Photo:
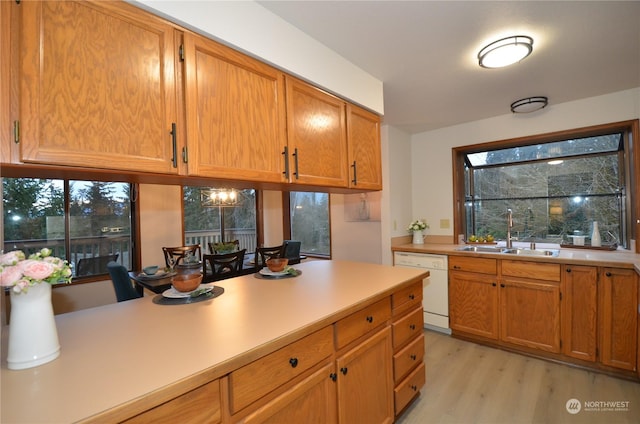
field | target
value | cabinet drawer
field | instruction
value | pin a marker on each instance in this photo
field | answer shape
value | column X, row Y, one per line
column 360, row 323
column 479, row 265
column 199, row 405
column 407, row 358
column 409, row 388
column 406, row 298
column 260, row 377
column 407, row 327
column 535, row 270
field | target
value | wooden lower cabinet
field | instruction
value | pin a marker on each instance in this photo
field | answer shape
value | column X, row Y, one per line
column 365, row 381
column 311, row 401
column 473, row 304
column 618, row 318
column 530, row 314
column 580, row 312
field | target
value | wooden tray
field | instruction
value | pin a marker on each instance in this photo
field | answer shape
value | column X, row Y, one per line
column 588, row 246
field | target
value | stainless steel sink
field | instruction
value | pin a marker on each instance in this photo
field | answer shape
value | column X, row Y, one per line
column 532, row 252
column 486, row 249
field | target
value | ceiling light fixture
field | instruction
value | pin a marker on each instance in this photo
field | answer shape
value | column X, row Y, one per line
column 530, row 104
column 211, row 198
column 505, row 51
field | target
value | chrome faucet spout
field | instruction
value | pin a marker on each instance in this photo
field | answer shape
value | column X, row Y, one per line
column 509, row 226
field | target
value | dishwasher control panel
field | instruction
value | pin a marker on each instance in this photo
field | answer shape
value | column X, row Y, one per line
column 420, row 260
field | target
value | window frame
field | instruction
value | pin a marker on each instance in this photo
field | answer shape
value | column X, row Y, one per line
column 286, row 224
column 631, row 133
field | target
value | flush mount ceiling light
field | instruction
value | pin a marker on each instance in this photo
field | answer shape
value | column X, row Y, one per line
column 530, row 104
column 505, row 51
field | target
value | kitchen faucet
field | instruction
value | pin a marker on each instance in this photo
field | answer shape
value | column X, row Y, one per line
column 509, row 226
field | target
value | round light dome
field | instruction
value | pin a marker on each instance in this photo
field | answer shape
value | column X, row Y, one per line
column 505, row 51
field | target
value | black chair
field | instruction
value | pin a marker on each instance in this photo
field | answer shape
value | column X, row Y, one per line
column 218, row 248
column 220, row 267
column 121, row 282
column 178, row 253
column 94, row 266
column 291, row 251
column 264, row 253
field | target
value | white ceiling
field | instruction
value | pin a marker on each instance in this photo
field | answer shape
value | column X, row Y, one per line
column 425, row 52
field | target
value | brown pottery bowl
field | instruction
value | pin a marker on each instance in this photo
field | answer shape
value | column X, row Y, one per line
column 277, row 264
column 186, row 282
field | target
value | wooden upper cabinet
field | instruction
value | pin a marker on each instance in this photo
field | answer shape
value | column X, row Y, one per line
column 316, row 135
column 235, row 109
column 364, row 149
column 97, row 86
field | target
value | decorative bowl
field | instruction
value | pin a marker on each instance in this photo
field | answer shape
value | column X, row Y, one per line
column 277, row 264
column 186, row 282
column 150, row 270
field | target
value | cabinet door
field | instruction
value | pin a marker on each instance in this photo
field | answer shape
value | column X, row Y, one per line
column 311, row 401
column 365, row 381
column 618, row 315
column 364, row 149
column 235, row 108
column 97, row 86
column 316, row 135
column 580, row 312
column 473, row 304
column 530, row 314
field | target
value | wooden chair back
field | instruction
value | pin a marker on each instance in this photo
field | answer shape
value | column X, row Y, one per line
column 179, row 253
column 217, row 248
column 264, row 253
column 220, row 267
column 94, row 266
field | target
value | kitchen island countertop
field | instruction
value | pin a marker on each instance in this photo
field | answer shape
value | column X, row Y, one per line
column 118, row 359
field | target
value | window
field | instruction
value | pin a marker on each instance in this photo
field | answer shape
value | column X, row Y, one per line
column 88, row 223
column 556, row 188
column 210, row 218
column 309, row 222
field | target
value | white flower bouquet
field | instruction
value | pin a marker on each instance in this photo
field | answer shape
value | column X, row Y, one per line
column 417, row 225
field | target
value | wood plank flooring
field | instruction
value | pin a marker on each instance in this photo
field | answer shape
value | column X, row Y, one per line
column 470, row 383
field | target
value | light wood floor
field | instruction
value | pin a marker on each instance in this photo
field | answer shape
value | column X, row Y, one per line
column 470, row 383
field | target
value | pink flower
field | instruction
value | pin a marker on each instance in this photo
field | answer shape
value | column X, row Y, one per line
column 10, row 275
column 37, row 270
column 11, row 258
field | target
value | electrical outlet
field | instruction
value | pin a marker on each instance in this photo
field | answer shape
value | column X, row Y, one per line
column 395, row 225
column 444, row 223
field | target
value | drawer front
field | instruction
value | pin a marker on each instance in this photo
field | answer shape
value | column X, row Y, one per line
column 360, row 323
column 479, row 265
column 260, row 377
column 408, row 358
column 406, row 298
column 531, row 270
column 409, row 388
column 407, row 327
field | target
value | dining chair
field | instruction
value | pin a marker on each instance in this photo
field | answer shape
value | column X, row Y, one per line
column 291, row 251
column 218, row 248
column 96, row 265
column 222, row 266
column 264, row 253
column 121, row 282
column 179, row 253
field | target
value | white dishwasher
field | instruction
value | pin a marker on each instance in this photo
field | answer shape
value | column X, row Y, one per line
column 435, row 299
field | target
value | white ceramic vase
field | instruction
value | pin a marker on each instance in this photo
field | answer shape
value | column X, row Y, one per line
column 595, row 235
column 418, row 238
column 33, row 337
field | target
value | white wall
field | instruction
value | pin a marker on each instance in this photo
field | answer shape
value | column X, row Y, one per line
column 353, row 240
column 249, row 27
column 431, row 163
column 272, row 218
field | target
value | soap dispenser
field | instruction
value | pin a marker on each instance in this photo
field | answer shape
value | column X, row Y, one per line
column 595, row 235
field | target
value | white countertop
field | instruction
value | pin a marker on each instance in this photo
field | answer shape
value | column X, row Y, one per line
column 113, row 354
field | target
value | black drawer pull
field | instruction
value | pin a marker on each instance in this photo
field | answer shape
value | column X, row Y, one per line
column 333, row 376
column 413, row 357
column 344, row 370
column 568, row 269
column 608, row 274
column 369, row 319
column 412, row 326
column 293, row 362
column 414, row 388
column 412, row 296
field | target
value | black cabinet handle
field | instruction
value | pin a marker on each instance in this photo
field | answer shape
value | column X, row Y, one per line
column 414, row 388
column 412, row 296
column 295, row 162
column 502, row 285
column 285, row 153
column 185, row 155
column 493, row 284
column 344, row 370
column 413, row 357
column 568, row 269
column 608, row 274
column 355, row 177
column 333, row 376
column 293, row 362
column 175, row 145
column 369, row 319
column 456, row 267
column 412, row 327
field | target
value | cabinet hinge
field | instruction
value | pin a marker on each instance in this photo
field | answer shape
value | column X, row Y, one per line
column 560, row 343
column 181, row 52
column 185, row 155
column 17, row 1
column 16, row 132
